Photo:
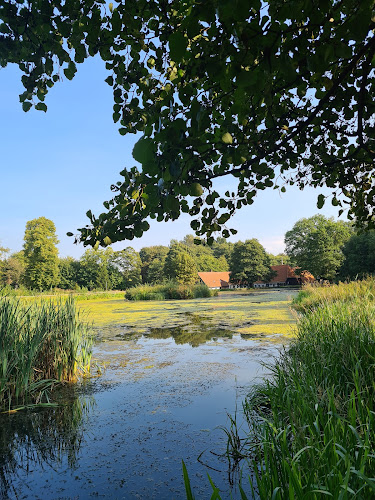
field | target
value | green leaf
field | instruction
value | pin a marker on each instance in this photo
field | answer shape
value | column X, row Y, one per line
column 177, row 45
column 143, row 150
column 151, row 62
column 227, row 138
column 321, row 200
column 26, row 106
column 223, row 218
column 109, row 80
column 41, row 107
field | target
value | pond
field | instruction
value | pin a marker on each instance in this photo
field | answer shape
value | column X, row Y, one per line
column 171, row 371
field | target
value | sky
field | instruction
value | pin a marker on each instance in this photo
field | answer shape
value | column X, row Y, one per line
column 62, row 163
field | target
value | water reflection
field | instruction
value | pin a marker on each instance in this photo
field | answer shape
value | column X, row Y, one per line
column 184, row 335
column 40, row 438
column 195, row 330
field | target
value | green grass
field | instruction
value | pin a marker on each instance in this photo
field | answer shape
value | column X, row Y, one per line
column 312, row 296
column 41, row 344
column 310, row 425
column 170, row 290
column 23, row 292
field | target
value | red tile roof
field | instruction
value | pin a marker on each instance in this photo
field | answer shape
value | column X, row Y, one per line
column 283, row 273
column 215, row 279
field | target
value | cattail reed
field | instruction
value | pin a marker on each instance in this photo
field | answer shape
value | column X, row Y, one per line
column 41, row 344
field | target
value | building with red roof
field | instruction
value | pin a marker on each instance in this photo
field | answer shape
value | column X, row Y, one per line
column 286, row 275
column 218, row 279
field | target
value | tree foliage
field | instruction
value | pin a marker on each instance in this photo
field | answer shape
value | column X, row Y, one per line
column 271, row 93
column 128, row 263
column 315, row 244
column 153, row 260
column 250, row 263
column 180, row 266
column 41, row 254
column 359, row 253
column 13, row 270
column 279, row 259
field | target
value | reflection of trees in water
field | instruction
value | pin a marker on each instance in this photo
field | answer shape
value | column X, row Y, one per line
column 197, row 331
column 41, row 437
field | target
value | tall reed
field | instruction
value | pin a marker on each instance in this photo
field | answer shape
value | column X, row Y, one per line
column 40, row 344
column 311, row 424
column 313, row 296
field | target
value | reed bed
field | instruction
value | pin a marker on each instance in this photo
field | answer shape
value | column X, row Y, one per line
column 41, row 344
column 310, row 425
column 169, row 290
column 313, row 296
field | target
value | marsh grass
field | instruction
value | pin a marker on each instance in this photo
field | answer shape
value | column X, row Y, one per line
column 58, row 293
column 41, row 344
column 169, row 290
column 312, row 422
column 310, row 425
column 313, row 296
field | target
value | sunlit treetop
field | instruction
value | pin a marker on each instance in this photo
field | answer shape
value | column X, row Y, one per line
column 272, row 93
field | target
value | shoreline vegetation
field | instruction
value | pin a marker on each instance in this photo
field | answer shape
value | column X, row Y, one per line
column 42, row 345
column 169, row 290
column 60, row 293
column 310, row 424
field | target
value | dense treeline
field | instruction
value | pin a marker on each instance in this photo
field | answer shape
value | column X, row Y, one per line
column 327, row 248
column 38, row 266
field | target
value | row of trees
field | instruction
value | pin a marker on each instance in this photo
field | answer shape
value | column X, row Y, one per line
column 327, row 248
column 38, row 266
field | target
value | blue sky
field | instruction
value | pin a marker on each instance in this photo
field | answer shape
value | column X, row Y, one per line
column 61, row 163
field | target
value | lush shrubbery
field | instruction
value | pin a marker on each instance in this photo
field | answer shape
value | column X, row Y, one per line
column 41, row 343
column 169, row 290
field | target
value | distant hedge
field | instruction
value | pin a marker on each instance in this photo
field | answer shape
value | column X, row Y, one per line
column 169, row 290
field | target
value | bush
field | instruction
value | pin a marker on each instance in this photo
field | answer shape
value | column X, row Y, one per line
column 169, row 290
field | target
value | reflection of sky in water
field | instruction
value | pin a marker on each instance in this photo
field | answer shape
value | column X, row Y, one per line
column 159, row 401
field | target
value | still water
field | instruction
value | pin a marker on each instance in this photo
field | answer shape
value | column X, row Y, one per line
column 171, row 371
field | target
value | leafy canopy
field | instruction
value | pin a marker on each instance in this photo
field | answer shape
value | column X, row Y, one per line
column 272, row 93
column 180, row 266
column 359, row 253
column 316, row 245
column 250, row 263
column 40, row 254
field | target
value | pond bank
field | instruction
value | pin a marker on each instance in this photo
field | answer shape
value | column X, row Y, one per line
column 159, row 400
